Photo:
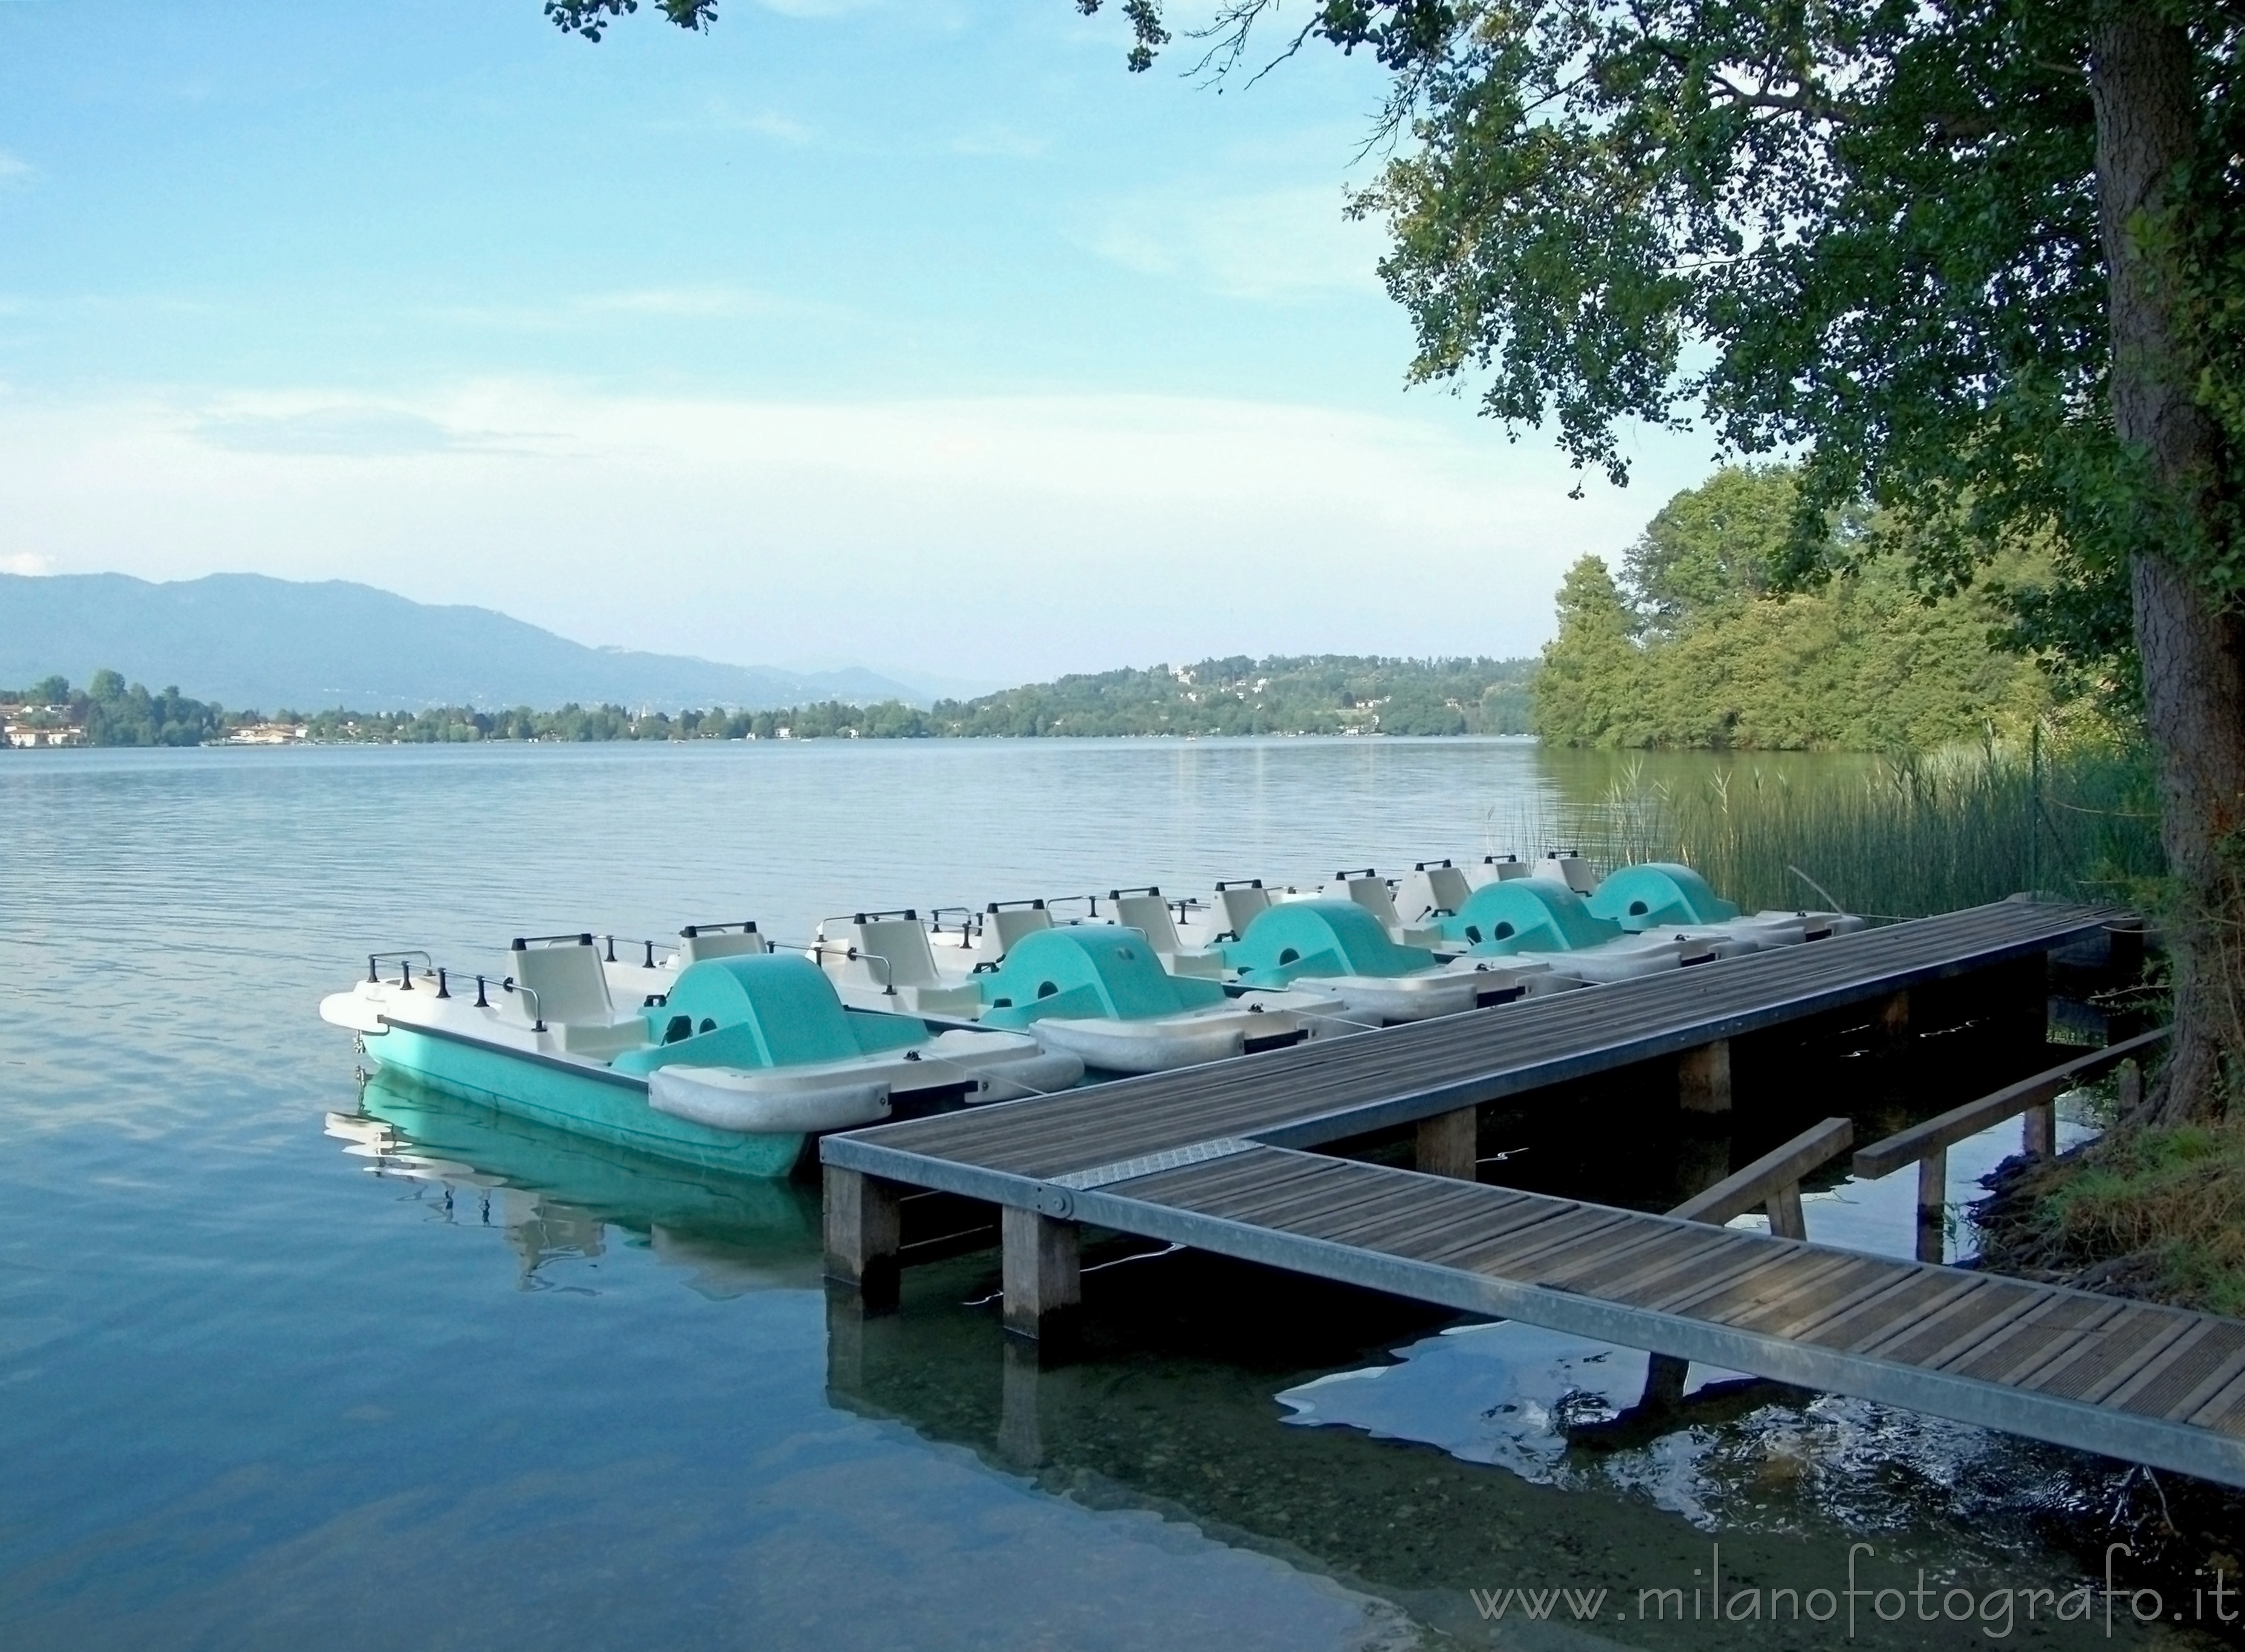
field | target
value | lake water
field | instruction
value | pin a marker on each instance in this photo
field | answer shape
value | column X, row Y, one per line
column 283, row 1364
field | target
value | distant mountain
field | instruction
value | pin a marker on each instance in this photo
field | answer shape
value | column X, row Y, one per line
column 246, row 641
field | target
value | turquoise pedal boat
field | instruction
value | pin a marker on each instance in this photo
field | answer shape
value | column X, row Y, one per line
column 731, row 1066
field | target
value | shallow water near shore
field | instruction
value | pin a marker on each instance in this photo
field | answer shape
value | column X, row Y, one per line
column 285, row 1360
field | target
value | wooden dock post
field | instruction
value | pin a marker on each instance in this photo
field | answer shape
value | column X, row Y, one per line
column 1449, row 1144
column 1932, row 1204
column 1043, row 1274
column 2039, row 1131
column 1703, row 1078
column 863, row 1234
column 1893, row 1022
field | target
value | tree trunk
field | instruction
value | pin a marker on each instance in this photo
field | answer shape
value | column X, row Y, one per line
column 2193, row 648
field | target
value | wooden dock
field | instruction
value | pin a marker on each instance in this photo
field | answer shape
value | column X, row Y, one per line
column 1216, row 1158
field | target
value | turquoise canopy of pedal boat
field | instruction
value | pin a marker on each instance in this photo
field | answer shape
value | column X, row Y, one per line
column 1525, row 914
column 1657, row 893
column 769, row 1009
column 1298, row 939
column 1086, row 972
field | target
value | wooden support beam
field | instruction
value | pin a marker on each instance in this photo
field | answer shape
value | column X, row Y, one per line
column 2132, row 1089
column 1786, row 1221
column 2038, row 1130
column 1703, row 1078
column 1448, row 1143
column 863, row 1234
column 1932, row 1204
column 1663, row 1383
column 1043, row 1274
column 1892, row 1023
column 1769, row 1178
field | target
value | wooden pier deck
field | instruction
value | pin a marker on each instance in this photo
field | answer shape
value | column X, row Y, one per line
column 1214, row 1158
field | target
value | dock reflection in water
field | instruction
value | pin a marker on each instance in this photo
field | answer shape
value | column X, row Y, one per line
column 1460, row 1476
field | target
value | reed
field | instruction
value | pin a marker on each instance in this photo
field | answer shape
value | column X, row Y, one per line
column 1910, row 834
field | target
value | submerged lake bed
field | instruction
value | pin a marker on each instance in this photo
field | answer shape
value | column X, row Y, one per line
column 288, row 1359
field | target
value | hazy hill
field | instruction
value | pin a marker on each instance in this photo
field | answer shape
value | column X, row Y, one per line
column 246, row 641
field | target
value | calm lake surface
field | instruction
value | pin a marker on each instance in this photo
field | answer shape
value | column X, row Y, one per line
column 287, row 1365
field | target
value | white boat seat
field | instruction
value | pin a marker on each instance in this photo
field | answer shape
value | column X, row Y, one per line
column 695, row 944
column 1495, row 869
column 894, row 951
column 1571, row 869
column 1003, row 926
column 568, row 990
column 1235, row 906
column 1370, row 891
column 1431, row 888
column 1150, row 916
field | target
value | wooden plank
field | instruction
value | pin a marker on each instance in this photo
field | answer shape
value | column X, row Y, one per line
column 1906, row 1147
column 1498, row 1253
column 2180, row 1391
column 1263, row 1167
column 1618, row 1270
column 1434, row 1214
column 2121, row 1355
column 1933, row 1290
column 1750, row 1189
column 1680, row 1258
column 1309, row 1201
column 1747, row 1256
column 2044, row 1337
column 1803, row 1271
column 1930, row 1340
column 1863, row 1278
column 2230, row 1397
column 1435, row 1244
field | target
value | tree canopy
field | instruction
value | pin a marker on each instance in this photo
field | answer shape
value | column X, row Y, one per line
column 1693, row 647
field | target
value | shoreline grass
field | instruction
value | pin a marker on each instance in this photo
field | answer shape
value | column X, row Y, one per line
column 1913, row 835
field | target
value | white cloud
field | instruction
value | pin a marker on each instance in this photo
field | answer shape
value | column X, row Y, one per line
column 1274, row 244
column 1001, row 537
column 25, row 562
column 14, row 168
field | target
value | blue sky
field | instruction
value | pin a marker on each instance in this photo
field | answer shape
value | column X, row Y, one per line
column 916, row 335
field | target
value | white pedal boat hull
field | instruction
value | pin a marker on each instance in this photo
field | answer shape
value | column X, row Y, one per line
column 1214, row 1034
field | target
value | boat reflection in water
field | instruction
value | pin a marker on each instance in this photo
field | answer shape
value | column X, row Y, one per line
column 557, row 1195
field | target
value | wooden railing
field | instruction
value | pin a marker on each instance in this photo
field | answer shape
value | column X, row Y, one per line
column 1772, row 1183
column 1926, row 1144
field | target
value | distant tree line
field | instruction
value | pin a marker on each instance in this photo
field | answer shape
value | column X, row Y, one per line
column 113, row 714
column 1306, row 695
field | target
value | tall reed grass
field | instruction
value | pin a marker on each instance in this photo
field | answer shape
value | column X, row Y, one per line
column 1910, row 835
